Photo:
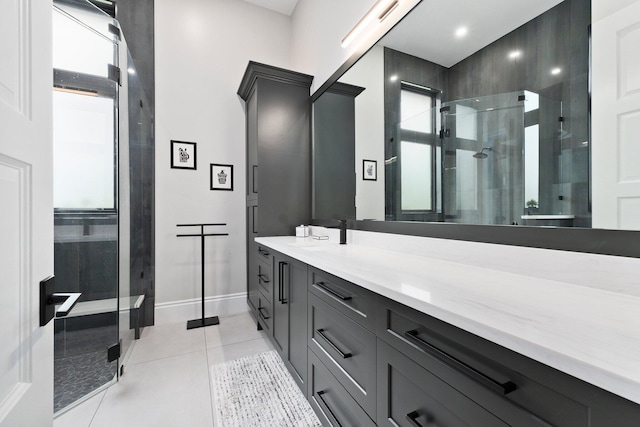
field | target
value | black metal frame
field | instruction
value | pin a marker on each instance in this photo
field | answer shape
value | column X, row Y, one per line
column 586, row 240
column 211, row 177
column 195, row 155
column 364, row 175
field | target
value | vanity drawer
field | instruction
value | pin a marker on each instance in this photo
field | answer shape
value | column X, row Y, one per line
column 265, row 279
column 265, row 313
column 332, row 403
column 265, row 254
column 410, row 395
column 517, row 389
column 347, row 349
column 351, row 300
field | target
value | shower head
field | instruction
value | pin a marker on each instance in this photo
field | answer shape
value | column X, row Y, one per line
column 481, row 154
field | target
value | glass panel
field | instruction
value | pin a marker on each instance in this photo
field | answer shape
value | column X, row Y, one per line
column 83, row 151
column 416, row 173
column 415, row 111
column 81, row 40
column 136, row 197
column 531, row 167
column 86, row 241
column 484, row 174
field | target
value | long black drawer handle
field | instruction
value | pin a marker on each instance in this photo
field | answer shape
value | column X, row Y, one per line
column 282, row 268
column 324, row 403
column 325, row 288
column 263, row 252
column 413, row 418
column 503, row 388
column 263, row 278
column 262, row 314
column 254, row 168
column 335, row 347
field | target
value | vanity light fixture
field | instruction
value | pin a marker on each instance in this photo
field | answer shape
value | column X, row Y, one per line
column 380, row 10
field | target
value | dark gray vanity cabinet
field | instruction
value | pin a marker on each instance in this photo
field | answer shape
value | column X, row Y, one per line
column 474, row 373
column 278, row 159
column 363, row 360
column 334, row 154
column 409, row 395
column 290, row 316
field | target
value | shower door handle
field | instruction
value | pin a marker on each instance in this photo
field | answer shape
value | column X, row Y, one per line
column 49, row 299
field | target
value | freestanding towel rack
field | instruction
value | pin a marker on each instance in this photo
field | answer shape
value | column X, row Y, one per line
column 203, row 321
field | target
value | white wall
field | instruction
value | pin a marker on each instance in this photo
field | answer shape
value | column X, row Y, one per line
column 369, row 107
column 318, row 28
column 202, row 49
column 602, row 8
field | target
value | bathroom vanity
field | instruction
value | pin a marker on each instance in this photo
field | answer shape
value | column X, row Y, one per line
column 405, row 330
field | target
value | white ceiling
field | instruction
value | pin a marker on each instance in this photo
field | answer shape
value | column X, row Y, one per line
column 428, row 31
column 285, row 7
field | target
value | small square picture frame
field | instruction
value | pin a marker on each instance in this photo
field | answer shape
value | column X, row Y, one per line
column 369, row 170
column 221, row 177
column 183, row 155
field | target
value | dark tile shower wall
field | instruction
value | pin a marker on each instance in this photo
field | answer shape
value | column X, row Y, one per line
column 86, row 257
column 558, row 38
column 141, row 177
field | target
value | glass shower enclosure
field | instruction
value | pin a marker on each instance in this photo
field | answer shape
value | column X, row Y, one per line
column 100, row 128
column 502, row 155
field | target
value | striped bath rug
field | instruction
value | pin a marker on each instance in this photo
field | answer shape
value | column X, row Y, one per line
column 258, row 391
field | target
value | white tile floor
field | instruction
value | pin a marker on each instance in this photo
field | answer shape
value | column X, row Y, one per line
column 167, row 380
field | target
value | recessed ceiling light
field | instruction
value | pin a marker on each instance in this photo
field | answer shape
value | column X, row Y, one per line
column 393, row 78
column 515, row 54
column 556, row 71
column 461, row 32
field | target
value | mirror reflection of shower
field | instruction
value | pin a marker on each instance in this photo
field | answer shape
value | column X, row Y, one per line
column 481, row 154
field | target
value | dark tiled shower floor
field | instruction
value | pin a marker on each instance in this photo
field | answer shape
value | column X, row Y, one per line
column 80, row 363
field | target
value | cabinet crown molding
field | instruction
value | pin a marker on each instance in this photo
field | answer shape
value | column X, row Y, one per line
column 256, row 70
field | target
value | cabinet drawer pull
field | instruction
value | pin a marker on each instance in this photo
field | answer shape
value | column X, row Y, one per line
column 502, row 388
column 326, row 407
column 281, row 282
column 254, row 168
column 260, row 310
column 335, row 347
column 413, row 418
column 263, row 278
column 263, row 252
column 327, row 289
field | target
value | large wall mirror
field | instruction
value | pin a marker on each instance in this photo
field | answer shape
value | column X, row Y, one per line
column 466, row 112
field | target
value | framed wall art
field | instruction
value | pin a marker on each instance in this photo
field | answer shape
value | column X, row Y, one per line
column 183, row 155
column 370, row 170
column 221, row 177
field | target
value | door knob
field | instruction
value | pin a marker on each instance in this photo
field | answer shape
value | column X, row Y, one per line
column 49, row 299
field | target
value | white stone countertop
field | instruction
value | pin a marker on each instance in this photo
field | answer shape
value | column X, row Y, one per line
column 587, row 331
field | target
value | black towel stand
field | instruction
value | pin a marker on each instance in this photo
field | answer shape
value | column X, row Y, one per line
column 203, row 321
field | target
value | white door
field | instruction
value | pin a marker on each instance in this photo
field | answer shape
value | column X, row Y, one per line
column 616, row 119
column 26, row 212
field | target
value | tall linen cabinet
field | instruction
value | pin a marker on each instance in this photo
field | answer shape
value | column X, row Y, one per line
column 278, row 163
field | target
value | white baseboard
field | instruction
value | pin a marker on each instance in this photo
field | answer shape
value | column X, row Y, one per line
column 181, row 311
